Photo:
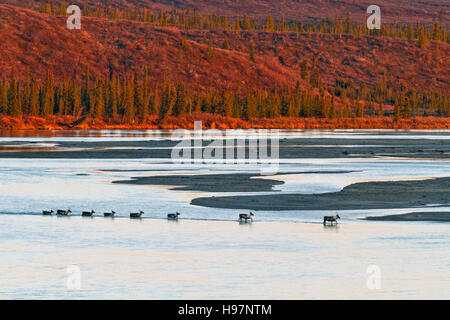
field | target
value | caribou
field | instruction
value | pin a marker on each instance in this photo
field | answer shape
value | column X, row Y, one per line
column 331, row 219
column 110, row 214
column 88, row 213
column 63, row 212
column 173, row 216
column 47, row 213
column 246, row 217
column 136, row 215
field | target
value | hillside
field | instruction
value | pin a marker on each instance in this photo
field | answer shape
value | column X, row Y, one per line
column 393, row 10
column 40, row 43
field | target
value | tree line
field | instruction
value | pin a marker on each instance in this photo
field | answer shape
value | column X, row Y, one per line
column 188, row 20
column 133, row 98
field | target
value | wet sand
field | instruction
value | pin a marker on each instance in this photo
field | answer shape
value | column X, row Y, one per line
column 295, row 148
column 366, row 195
column 415, row 216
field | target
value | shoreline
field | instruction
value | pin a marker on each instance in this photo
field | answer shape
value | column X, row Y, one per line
column 213, row 121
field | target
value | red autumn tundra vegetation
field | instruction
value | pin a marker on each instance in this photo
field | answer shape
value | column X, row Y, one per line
column 211, row 121
column 132, row 68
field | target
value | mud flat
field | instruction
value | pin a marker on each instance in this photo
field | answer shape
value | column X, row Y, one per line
column 290, row 148
column 366, row 195
column 443, row 216
column 234, row 182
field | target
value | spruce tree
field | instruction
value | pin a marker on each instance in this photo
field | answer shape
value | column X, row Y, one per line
column 304, row 70
column 4, row 96
column 14, row 101
column 34, row 99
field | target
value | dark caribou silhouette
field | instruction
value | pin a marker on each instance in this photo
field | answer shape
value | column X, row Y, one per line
column 331, row 219
column 173, row 216
column 245, row 217
column 136, row 215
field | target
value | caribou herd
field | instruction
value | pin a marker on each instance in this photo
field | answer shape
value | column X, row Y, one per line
column 243, row 217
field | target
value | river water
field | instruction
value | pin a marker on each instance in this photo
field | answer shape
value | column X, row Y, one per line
column 207, row 254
